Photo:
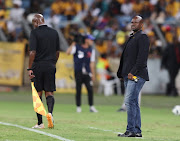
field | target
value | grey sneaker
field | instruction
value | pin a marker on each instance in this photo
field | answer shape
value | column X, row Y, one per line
column 93, row 109
column 78, row 110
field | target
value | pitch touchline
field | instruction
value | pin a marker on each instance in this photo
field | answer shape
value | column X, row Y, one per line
column 37, row 131
column 108, row 131
column 105, row 130
column 117, row 132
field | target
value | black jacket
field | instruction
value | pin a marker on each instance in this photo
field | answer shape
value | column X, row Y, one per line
column 134, row 56
column 169, row 58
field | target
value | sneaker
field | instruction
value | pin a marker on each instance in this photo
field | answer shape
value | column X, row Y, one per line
column 50, row 120
column 93, row 109
column 41, row 126
column 78, row 110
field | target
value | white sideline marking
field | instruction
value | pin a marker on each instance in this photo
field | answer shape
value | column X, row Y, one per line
column 105, row 130
column 37, row 131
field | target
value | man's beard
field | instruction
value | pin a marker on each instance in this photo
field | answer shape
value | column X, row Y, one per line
column 135, row 30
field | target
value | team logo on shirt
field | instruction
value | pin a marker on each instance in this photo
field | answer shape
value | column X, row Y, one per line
column 80, row 54
column 89, row 54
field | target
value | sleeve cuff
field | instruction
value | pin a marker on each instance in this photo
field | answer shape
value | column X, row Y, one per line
column 28, row 69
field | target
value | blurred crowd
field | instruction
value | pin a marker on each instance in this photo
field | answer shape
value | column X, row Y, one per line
column 107, row 20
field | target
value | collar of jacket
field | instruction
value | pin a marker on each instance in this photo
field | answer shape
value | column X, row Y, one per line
column 42, row 25
column 132, row 34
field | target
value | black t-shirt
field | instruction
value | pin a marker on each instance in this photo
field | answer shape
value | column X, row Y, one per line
column 45, row 41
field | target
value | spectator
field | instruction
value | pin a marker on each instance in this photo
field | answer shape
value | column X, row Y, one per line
column 137, row 7
column 36, row 6
column 127, row 8
column 3, row 25
column 161, row 6
column 114, row 8
column 106, row 77
column 101, row 46
column 171, row 61
column 89, row 20
column 147, row 9
column 56, row 6
column 101, row 5
column 2, row 4
column 71, row 9
column 16, row 16
column 173, row 7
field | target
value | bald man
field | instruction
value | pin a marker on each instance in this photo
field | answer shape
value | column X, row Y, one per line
column 134, row 63
column 43, row 55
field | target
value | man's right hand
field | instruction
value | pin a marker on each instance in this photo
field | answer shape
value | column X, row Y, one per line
column 31, row 75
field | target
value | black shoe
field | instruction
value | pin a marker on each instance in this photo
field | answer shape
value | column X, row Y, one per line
column 138, row 135
column 127, row 134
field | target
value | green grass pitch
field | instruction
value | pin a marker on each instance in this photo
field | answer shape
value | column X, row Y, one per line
column 158, row 122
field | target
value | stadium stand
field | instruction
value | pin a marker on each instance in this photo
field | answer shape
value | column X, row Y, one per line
column 107, row 20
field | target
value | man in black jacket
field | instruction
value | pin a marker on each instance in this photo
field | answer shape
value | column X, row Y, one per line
column 43, row 55
column 134, row 64
column 171, row 61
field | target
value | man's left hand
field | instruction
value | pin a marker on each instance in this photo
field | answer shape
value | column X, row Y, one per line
column 130, row 76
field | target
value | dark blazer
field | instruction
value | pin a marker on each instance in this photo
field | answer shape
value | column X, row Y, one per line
column 170, row 57
column 134, row 56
